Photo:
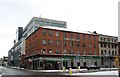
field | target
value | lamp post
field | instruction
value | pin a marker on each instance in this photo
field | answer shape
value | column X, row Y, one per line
column 104, row 59
column 110, row 61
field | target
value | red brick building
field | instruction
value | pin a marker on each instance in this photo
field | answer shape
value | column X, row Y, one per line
column 56, row 47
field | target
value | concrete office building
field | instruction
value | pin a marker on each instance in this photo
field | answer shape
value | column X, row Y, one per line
column 36, row 22
column 15, row 52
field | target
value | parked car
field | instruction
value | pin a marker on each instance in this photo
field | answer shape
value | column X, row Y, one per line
column 91, row 67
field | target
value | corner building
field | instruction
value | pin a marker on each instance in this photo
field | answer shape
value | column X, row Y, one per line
column 53, row 48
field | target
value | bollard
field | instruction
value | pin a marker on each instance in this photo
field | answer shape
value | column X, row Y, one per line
column 64, row 70
column 70, row 71
column 79, row 68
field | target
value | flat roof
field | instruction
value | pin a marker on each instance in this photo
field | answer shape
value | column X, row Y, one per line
column 69, row 30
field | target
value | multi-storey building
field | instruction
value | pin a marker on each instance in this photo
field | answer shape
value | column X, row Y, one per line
column 5, row 61
column 108, row 50
column 1, row 61
column 36, row 22
column 61, row 47
column 17, row 52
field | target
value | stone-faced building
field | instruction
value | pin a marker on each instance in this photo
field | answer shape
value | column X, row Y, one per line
column 108, row 50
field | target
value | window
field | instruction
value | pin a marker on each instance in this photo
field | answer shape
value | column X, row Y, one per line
column 64, row 42
column 90, row 53
column 108, row 39
column 112, row 52
column 50, row 42
column 89, row 37
column 108, row 45
column 84, row 45
column 57, row 51
column 57, row 42
column 104, row 45
column 112, row 40
column 95, row 53
column 115, row 52
column 50, row 51
column 77, row 44
column 112, row 46
column 71, row 43
column 84, row 53
column 77, row 36
column 101, row 44
column 105, row 51
column 71, row 35
column 109, row 53
column 101, row 52
column 95, row 37
column 43, row 51
column 89, row 45
column 64, row 35
column 95, row 45
column 43, row 42
column 71, row 52
column 83, row 37
column 64, row 52
column 115, row 46
column 78, row 52
column 44, row 32
column 104, row 39
column 101, row 39
column 50, row 33
column 57, row 33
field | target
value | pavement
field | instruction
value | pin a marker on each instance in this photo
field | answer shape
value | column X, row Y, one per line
column 10, row 71
column 67, row 71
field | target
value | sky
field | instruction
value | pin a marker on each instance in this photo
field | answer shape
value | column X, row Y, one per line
column 86, row 15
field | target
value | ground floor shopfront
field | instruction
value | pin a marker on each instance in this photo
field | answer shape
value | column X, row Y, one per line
column 43, row 61
column 108, row 61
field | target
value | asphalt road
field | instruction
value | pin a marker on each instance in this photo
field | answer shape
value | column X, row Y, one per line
column 10, row 72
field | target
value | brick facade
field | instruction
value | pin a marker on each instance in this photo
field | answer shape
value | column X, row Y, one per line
column 52, row 42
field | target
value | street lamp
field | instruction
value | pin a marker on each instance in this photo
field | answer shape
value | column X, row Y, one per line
column 110, row 60
column 104, row 59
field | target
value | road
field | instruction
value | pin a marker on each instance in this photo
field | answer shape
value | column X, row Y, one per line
column 10, row 72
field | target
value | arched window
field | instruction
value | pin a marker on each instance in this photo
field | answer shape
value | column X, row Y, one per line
column 101, row 52
column 64, row 52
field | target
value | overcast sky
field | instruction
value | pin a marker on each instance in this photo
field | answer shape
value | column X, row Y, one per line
column 86, row 15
